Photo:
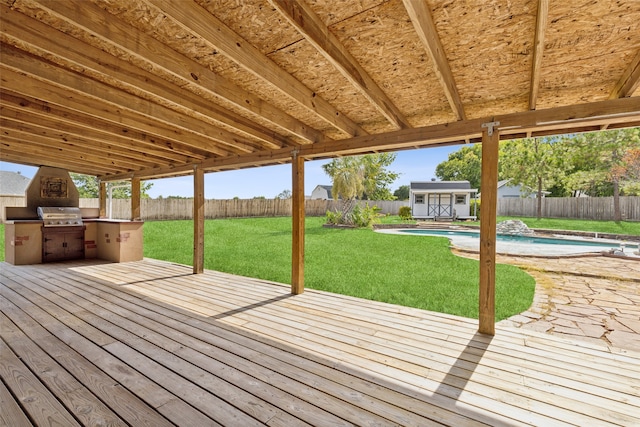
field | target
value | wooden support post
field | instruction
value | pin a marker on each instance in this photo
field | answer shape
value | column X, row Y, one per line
column 102, row 200
column 135, row 199
column 297, row 207
column 488, row 205
column 198, row 220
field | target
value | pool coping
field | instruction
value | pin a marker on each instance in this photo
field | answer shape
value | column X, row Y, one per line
column 542, row 232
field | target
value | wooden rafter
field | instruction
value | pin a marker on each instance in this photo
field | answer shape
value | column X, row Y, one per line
column 197, row 20
column 552, row 121
column 538, row 51
column 630, row 80
column 28, row 108
column 45, row 78
column 151, row 54
column 42, row 125
column 38, row 150
column 300, row 15
column 68, row 52
column 63, row 142
column 14, row 151
column 422, row 20
column 163, row 85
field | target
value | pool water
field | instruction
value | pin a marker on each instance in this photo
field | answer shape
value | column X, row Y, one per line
column 518, row 238
column 525, row 245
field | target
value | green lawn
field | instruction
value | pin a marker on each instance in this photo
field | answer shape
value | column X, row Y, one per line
column 623, row 227
column 415, row 272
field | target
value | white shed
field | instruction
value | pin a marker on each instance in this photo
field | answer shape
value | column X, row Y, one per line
column 442, row 199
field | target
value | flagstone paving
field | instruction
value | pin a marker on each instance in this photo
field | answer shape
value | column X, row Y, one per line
column 593, row 298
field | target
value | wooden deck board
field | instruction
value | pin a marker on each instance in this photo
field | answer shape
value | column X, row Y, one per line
column 229, row 350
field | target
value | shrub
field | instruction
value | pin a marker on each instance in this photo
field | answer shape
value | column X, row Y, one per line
column 476, row 203
column 364, row 217
column 405, row 213
column 334, row 218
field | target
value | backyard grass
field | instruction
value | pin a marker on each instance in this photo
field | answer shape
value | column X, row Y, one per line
column 421, row 273
column 623, row 227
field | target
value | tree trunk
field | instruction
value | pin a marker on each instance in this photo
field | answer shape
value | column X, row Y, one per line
column 617, row 214
column 347, row 207
column 539, row 197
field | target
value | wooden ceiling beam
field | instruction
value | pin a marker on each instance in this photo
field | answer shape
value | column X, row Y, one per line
column 71, row 53
column 309, row 24
column 422, row 20
column 149, row 53
column 170, row 150
column 538, row 52
column 57, row 132
column 56, row 142
column 553, row 121
column 36, row 155
column 630, row 80
column 208, row 137
column 197, row 20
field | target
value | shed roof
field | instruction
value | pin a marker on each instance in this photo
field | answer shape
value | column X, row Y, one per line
column 151, row 88
column 440, row 185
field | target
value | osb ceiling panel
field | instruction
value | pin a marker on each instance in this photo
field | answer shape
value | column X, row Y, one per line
column 586, row 48
column 152, row 88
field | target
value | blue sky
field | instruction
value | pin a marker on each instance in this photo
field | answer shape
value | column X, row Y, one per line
column 269, row 181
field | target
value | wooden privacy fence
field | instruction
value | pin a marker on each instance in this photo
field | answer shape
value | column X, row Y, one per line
column 595, row 208
column 167, row 209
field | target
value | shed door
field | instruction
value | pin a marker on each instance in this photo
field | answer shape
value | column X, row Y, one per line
column 439, row 205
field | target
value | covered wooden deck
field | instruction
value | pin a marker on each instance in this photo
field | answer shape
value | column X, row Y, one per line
column 149, row 343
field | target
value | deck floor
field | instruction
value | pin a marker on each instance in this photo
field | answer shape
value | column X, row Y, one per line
column 148, row 343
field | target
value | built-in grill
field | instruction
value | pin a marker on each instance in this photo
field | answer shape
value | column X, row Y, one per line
column 60, row 216
column 62, row 233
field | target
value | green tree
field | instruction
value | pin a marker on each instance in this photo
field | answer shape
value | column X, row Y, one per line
column 402, row 193
column 534, row 163
column 599, row 163
column 284, row 194
column 347, row 175
column 89, row 187
column 355, row 176
column 462, row 165
column 631, row 172
column 377, row 178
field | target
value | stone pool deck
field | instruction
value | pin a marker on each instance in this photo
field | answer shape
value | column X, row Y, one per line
column 593, row 298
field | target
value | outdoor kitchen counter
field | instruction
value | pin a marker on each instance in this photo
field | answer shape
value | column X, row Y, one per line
column 113, row 239
column 23, row 241
column 109, row 239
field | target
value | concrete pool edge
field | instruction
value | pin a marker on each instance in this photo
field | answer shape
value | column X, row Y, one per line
column 579, row 236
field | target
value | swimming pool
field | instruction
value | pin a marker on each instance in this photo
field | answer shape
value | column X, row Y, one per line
column 524, row 245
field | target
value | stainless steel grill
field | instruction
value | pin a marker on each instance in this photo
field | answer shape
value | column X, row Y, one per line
column 60, row 216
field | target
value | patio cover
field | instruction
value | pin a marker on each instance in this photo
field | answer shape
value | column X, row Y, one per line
column 150, row 88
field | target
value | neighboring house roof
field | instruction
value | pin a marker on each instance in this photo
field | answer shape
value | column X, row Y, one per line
column 440, row 185
column 322, row 192
column 503, row 182
column 13, row 184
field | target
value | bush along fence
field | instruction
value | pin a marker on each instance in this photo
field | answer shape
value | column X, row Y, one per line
column 170, row 209
column 593, row 208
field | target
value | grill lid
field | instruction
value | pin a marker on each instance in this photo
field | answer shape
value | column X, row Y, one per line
column 60, row 216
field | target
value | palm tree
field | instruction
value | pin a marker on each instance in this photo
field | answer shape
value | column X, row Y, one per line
column 347, row 174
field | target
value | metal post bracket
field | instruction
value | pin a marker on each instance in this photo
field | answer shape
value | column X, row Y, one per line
column 490, row 126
